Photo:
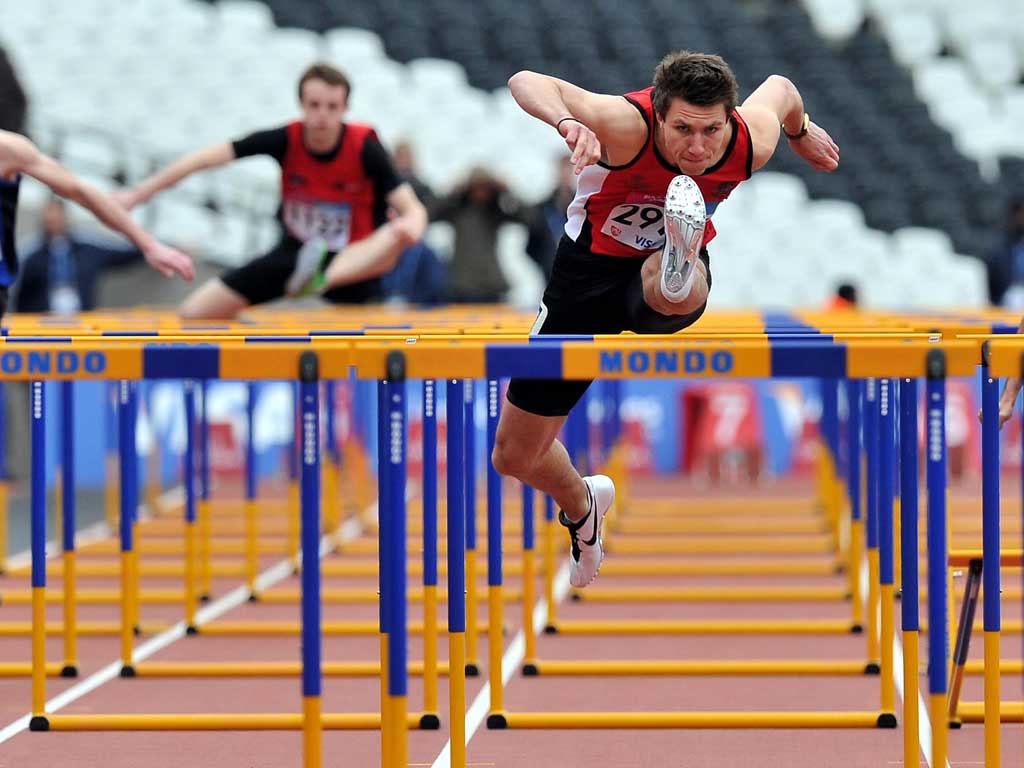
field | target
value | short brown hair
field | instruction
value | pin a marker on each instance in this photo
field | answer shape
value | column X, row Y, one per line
column 327, row 73
column 701, row 79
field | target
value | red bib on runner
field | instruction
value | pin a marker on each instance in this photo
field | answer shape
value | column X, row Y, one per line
column 334, row 199
column 619, row 210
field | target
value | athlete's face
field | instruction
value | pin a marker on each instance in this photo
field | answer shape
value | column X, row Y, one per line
column 693, row 137
column 323, row 106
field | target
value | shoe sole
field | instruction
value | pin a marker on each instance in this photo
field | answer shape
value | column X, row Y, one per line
column 600, row 545
column 685, row 218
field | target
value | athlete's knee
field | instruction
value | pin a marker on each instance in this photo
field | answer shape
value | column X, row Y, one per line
column 512, row 457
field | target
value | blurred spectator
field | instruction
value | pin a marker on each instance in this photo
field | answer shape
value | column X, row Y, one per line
column 13, row 101
column 419, row 277
column 61, row 273
column 1006, row 264
column 404, row 162
column 476, row 210
column 845, row 297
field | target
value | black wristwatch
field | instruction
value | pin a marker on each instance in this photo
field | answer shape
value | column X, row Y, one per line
column 803, row 129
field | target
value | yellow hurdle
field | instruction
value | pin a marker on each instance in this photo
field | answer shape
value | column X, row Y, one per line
column 171, row 669
column 704, row 668
column 4, row 491
column 992, row 716
column 710, row 594
column 70, row 668
column 312, row 725
column 911, row 716
column 702, row 720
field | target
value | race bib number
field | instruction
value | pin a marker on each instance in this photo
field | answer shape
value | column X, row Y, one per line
column 638, row 226
column 308, row 221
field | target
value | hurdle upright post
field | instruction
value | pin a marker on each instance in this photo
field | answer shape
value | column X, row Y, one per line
column 4, row 489
column 205, row 509
column 496, row 717
column 111, row 500
column 398, row 677
column 70, row 668
column 293, row 481
column 384, row 518
column 456, row 575
column 469, row 431
column 189, row 473
column 39, row 721
column 549, row 565
column 887, row 594
column 430, row 719
column 127, row 399
column 309, row 374
column 854, row 392
column 990, row 567
column 909, row 552
column 871, row 418
column 529, row 582
column 938, row 621
column 251, row 521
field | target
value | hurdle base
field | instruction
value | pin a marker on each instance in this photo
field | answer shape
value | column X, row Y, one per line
column 496, row 721
column 856, row 629
column 69, row 670
column 530, row 669
column 191, row 629
column 128, row 670
column 472, row 669
column 430, row 722
column 137, row 630
column 576, row 597
column 956, row 725
column 254, row 597
column 887, row 720
column 872, row 668
column 204, row 598
column 550, row 629
column 39, row 723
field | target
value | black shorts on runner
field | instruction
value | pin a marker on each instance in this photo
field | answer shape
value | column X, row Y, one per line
column 591, row 294
column 264, row 278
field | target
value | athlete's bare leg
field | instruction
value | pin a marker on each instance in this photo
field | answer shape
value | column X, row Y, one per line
column 212, row 301
column 526, row 448
column 369, row 257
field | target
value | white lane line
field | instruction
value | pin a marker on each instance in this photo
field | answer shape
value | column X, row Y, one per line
column 207, row 613
column 509, row 664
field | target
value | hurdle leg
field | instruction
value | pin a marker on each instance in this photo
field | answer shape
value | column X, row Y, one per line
column 397, row 619
column 938, row 623
column 430, row 719
column 549, row 564
column 204, row 509
column 871, row 418
column 887, row 592
column 854, row 392
column 129, row 490
column 991, row 557
column 529, row 583
column 293, row 483
column 39, row 721
column 70, row 668
column 963, row 636
column 4, row 490
column 494, row 562
column 456, row 575
column 111, row 497
column 311, row 620
column 384, row 520
column 909, row 553
column 469, row 429
column 189, row 473
column 251, row 522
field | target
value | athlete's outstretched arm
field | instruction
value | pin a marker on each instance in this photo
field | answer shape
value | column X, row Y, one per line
column 20, row 155
column 776, row 106
column 593, row 125
column 378, row 253
column 208, row 157
column 1010, row 392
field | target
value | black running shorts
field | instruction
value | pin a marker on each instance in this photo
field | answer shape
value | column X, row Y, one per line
column 264, row 278
column 591, row 294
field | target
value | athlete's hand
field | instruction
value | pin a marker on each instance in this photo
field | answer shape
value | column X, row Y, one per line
column 586, row 149
column 169, row 261
column 817, row 148
column 127, row 198
column 1005, row 413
